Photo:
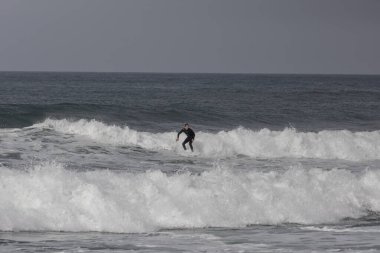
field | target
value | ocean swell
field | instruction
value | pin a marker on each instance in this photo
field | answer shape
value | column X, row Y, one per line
column 327, row 144
column 48, row 197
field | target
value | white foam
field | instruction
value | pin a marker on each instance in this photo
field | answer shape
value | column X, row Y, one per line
column 339, row 144
column 368, row 229
column 49, row 197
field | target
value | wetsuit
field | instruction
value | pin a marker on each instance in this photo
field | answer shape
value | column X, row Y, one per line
column 190, row 137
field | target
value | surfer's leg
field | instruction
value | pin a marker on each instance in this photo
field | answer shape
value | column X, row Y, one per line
column 184, row 142
column 191, row 145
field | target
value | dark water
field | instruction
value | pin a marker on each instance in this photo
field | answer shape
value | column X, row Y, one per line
column 287, row 163
column 209, row 101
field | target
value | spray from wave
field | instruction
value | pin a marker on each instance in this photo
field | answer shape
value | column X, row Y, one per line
column 338, row 144
column 48, row 197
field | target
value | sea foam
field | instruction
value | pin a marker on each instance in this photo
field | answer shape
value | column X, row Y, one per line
column 327, row 144
column 48, row 197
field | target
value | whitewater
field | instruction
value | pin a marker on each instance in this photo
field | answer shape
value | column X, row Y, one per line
column 281, row 163
column 338, row 144
column 36, row 199
column 36, row 196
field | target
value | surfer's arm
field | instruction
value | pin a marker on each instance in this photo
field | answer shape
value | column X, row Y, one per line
column 179, row 133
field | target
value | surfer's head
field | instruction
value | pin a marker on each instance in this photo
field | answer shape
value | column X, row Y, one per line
column 186, row 126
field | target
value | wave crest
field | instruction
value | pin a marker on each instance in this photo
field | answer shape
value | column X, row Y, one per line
column 49, row 197
column 327, row 144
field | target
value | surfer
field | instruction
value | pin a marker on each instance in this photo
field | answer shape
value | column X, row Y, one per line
column 190, row 136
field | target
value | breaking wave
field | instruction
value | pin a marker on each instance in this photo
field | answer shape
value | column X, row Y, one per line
column 48, row 197
column 327, row 144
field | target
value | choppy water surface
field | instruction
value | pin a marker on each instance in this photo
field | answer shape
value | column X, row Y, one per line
column 287, row 163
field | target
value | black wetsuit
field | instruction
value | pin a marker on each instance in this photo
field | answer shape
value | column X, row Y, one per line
column 190, row 137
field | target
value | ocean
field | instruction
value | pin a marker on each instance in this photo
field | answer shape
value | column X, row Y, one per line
column 281, row 163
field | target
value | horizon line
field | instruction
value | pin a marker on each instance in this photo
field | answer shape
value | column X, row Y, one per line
column 165, row 72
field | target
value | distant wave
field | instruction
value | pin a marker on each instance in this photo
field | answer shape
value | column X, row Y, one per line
column 327, row 144
column 48, row 197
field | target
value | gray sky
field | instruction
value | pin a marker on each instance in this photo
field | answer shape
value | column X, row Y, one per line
column 268, row 36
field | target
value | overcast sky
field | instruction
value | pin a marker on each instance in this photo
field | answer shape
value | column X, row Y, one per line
column 268, row 36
